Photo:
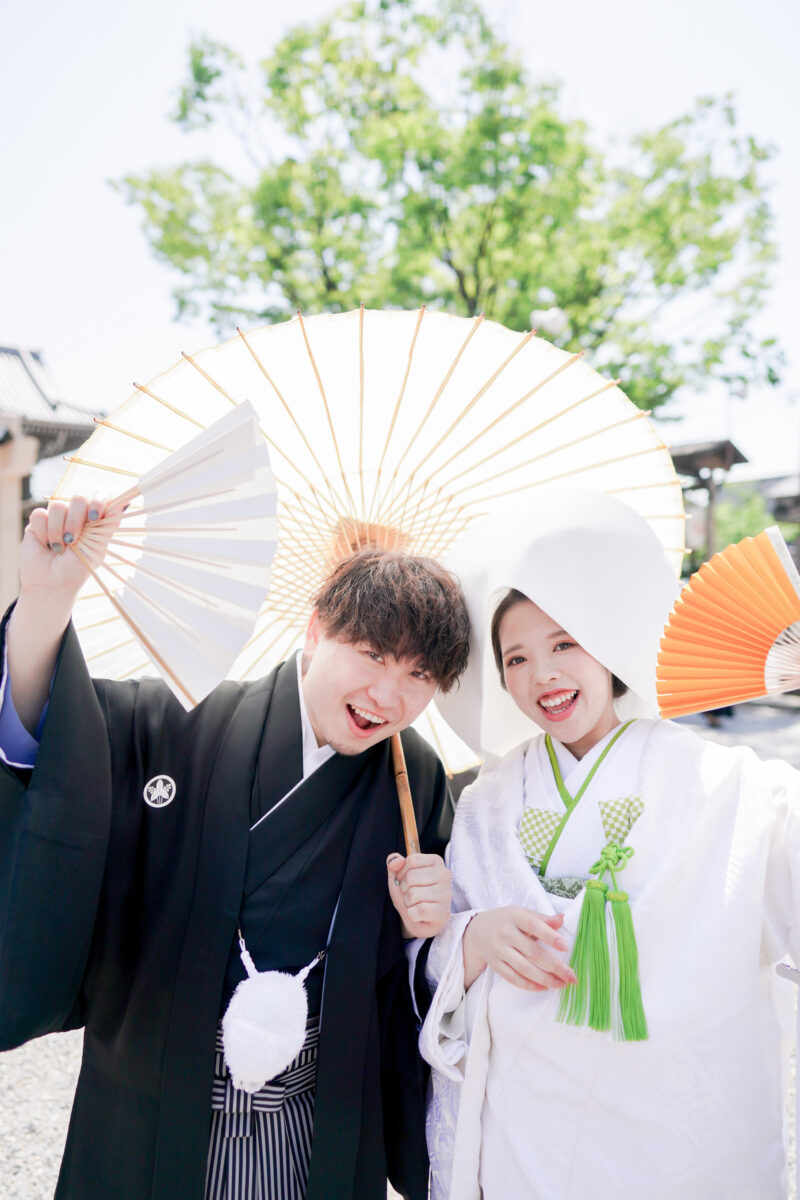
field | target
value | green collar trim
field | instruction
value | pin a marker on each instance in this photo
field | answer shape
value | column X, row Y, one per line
column 571, row 801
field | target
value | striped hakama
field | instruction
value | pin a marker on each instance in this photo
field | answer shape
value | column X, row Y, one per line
column 260, row 1146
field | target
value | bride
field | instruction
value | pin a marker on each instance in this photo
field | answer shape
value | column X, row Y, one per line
column 606, row 1020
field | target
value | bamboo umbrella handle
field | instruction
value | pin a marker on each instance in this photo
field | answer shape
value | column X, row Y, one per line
column 404, row 796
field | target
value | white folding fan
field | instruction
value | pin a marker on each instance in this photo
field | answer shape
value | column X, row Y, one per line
column 184, row 556
column 734, row 633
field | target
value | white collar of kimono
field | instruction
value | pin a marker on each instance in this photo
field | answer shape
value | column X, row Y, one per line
column 313, row 755
column 592, row 564
column 574, row 769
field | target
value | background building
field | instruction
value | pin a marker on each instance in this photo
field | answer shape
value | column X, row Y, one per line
column 35, row 424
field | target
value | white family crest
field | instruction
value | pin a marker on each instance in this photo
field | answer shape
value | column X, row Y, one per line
column 159, row 791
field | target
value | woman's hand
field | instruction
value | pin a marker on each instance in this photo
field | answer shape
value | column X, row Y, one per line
column 420, row 888
column 514, row 942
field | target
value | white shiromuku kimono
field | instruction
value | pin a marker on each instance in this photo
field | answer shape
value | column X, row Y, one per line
column 526, row 1108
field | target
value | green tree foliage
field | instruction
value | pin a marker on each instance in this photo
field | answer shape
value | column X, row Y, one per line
column 742, row 513
column 400, row 153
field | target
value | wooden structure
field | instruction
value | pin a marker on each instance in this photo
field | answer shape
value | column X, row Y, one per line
column 704, row 465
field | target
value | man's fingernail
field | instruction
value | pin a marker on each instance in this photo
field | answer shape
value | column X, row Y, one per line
column 68, row 539
column 93, row 514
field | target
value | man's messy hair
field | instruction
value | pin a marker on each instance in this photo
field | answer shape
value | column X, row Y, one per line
column 401, row 606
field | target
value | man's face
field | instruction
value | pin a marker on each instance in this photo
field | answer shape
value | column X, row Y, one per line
column 356, row 697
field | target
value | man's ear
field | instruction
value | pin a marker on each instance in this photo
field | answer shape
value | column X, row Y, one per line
column 315, row 630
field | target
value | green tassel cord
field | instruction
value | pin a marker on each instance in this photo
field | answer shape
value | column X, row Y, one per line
column 634, row 1022
column 589, row 1001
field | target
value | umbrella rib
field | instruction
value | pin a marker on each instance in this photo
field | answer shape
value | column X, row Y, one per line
column 398, row 402
column 140, row 387
column 131, row 641
column 523, row 399
column 585, row 437
column 607, row 462
column 327, row 410
column 640, row 487
column 334, row 498
column 437, row 741
column 482, row 392
column 106, row 424
column 284, row 625
column 129, row 621
column 314, row 537
column 188, row 358
column 140, row 666
column 94, row 624
column 607, row 386
column 438, row 394
column 95, row 466
column 293, row 516
column 361, row 405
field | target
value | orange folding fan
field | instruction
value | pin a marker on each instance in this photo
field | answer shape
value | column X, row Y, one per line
column 734, row 633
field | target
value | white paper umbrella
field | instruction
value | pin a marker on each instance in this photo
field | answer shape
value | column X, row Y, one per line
column 398, row 428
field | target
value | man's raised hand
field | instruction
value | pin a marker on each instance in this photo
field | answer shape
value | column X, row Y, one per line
column 50, row 578
column 420, row 888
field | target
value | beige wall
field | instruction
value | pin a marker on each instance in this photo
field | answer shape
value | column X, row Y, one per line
column 17, row 459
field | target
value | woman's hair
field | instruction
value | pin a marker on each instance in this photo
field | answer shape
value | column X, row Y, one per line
column 511, row 598
column 401, row 606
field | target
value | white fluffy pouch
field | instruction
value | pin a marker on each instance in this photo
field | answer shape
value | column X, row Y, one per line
column 264, row 1025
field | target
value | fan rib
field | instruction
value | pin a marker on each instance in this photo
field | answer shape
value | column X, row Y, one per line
column 144, row 640
column 194, row 593
column 730, row 634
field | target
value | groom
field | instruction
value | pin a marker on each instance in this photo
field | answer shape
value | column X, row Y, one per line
column 137, row 840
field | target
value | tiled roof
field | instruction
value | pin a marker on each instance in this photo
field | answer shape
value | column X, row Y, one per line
column 28, row 391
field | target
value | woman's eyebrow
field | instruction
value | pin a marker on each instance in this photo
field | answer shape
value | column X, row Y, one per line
column 559, row 633
column 508, row 649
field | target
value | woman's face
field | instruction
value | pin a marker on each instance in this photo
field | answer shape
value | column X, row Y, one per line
column 553, row 680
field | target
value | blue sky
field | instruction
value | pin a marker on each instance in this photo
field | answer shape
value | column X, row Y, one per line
column 85, row 90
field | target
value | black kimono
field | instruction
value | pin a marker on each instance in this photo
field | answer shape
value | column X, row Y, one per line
column 120, row 915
